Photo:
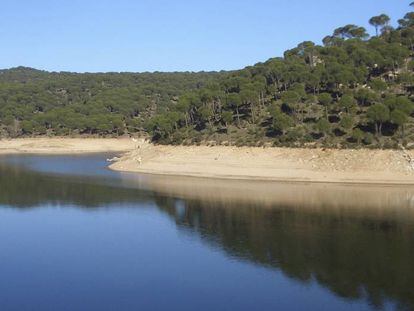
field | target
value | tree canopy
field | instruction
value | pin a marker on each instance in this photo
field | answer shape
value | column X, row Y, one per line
column 351, row 91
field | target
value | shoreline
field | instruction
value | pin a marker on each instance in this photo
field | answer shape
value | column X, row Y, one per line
column 285, row 180
column 289, row 165
column 63, row 145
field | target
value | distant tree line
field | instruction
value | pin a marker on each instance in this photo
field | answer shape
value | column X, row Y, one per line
column 34, row 102
column 354, row 90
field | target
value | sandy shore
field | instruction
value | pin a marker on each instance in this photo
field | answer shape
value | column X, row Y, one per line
column 65, row 145
column 276, row 164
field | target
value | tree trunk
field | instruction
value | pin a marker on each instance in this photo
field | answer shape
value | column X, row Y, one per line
column 252, row 112
column 238, row 116
column 302, row 115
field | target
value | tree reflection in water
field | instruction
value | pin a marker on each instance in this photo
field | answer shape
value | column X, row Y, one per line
column 357, row 250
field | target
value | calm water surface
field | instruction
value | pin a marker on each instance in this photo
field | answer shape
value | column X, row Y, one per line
column 77, row 236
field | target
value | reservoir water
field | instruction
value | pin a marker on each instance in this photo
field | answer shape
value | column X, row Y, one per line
column 77, row 236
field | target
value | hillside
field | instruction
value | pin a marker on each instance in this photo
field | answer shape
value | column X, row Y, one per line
column 354, row 90
column 34, row 102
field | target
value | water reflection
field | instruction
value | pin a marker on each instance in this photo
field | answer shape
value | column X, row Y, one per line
column 353, row 255
column 373, row 199
column 356, row 241
column 20, row 187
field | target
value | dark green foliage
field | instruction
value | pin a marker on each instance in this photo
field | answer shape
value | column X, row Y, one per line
column 323, row 126
column 280, row 121
column 347, row 102
column 378, row 85
column 378, row 114
column 34, row 102
column 350, row 32
column 347, row 122
column 358, row 135
column 341, row 93
column 379, row 22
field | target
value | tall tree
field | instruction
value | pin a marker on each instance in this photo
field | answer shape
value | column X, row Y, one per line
column 351, row 31
column 378, row 113
column 379, row 22
column 234, row 101
column 325, row 99
column 400, row 118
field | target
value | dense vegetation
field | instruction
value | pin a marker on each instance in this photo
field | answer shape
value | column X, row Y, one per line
column 354, row 90
column 34, row 102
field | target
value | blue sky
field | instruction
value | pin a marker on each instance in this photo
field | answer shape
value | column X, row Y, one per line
column 174, row 35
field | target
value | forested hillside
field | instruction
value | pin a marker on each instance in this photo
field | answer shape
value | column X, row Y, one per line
column 34, row 102
column 354, row 90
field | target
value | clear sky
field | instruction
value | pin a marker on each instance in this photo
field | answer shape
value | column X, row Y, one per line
column 173, row 35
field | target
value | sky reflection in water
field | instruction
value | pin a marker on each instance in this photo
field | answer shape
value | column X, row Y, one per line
column 76, row 236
